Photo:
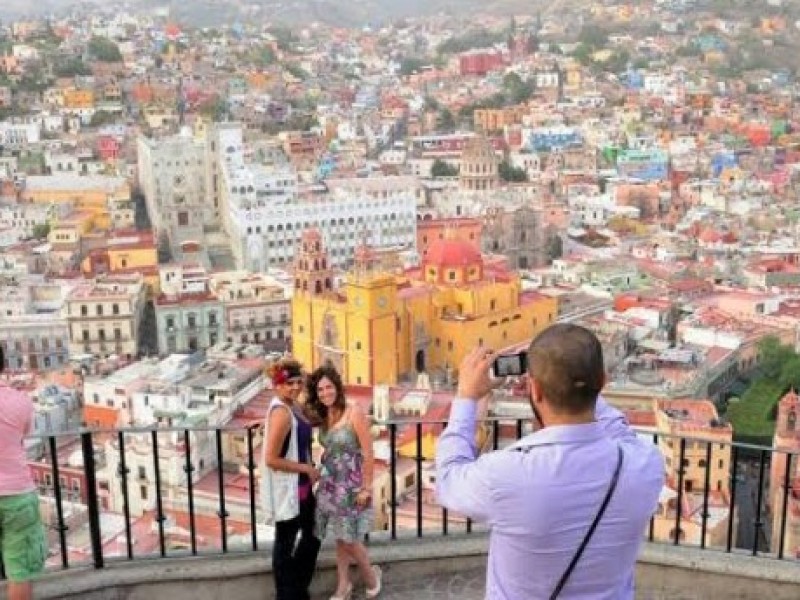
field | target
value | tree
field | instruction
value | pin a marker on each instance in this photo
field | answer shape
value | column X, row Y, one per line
column 102, row 117
column 410, row 65
column 593, row 36
column 773, row 356
column 104, row 50
column 446, row 120
column 443, row 169
column 555, row 247
column 516, row 89
column 41, row 231
column 71, row 67
column 508, row 172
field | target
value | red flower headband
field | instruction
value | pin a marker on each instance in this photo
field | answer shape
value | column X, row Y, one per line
column 282, row 376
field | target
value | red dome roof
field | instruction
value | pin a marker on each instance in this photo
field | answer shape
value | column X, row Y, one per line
column 453, row 253
column 709, row 236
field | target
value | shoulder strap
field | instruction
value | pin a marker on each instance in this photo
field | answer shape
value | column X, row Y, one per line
column 612, row 486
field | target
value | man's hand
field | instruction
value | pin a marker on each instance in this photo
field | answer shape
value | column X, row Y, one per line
column 474, row 381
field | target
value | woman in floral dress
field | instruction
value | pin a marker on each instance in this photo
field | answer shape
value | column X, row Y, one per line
column 344, row 495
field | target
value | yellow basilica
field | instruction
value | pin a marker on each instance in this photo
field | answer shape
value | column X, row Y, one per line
column 379, row 327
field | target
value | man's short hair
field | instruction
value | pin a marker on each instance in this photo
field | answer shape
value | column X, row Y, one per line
column 567, row 361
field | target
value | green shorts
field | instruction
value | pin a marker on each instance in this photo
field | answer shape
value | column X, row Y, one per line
column 22, row 539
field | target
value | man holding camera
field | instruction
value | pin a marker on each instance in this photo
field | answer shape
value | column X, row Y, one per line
column 567, row 505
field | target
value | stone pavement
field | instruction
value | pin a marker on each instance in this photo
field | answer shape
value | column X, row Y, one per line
column 464, row 586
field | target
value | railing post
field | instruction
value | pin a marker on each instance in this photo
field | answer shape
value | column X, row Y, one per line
column 707, row 484
column 189, row 470
column 123, row 479
column 393, row 479
column 160, row 517
column 419, row 479
column 787, row 482
column 92, row 505
column 732, row 503
column 679, row 505
column 223, row 513
column 758, row 523
column 62, row 527
column 251, row 470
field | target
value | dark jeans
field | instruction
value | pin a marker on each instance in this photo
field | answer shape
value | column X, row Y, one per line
column 293, row 568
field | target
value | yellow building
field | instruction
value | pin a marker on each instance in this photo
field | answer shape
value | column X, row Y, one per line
column 90, row 193
column 380, row 327
column 76, row 99
column 496, row 119
column 124, row 253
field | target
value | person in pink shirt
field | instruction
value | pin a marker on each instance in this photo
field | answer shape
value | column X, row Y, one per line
column 22, row 538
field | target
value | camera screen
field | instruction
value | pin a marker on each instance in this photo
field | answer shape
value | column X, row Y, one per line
column 509, row 365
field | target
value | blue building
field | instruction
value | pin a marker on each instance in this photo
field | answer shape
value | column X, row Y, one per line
column 647, row 165
column 547, row 139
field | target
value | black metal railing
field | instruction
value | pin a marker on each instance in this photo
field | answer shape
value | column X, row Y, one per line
column 165, row 463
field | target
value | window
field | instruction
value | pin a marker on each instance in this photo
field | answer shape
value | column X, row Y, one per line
column 143, row 492
column 358, row 345
column 170, row 322
column 85, row 334
column 212, row 319
column 142, row 472
column 183, row 219
column 493, row 304
column 721, row 463
column 192, row 321
column 84, row 310
column 115, row 307
column 450, row 345
column 102, row 334
column 99, row 309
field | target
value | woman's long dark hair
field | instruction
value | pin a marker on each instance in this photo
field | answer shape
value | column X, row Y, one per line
column 312, row 397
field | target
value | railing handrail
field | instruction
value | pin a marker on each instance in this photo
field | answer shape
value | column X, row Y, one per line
column 384, row 423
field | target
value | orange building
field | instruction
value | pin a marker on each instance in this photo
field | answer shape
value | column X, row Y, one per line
column 76, row 99
column 491, row 119
column 786, row 441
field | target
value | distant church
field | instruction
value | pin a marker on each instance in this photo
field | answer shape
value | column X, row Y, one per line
column 382, row 327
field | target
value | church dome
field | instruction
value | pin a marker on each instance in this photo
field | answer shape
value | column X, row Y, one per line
column 479, row 165
column 478, row 149
column 453, row 253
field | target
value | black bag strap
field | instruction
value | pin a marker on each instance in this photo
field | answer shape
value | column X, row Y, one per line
column 613, row 485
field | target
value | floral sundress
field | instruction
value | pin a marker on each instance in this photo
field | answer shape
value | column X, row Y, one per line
column 340, row 480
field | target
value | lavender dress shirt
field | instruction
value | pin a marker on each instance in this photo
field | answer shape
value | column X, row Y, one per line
column 540, row 503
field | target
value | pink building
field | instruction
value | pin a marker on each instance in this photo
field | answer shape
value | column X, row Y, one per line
column 108, row 147
column 479, row 62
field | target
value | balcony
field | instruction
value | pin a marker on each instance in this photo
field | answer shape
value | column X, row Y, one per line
column 199, row 537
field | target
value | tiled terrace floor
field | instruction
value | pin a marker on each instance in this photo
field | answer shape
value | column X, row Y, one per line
column 455, row 586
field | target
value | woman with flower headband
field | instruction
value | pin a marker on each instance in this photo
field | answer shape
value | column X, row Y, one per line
column 344, row 495
column 286, row 484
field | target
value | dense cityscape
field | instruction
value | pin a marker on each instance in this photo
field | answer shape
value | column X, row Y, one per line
column 182, row 204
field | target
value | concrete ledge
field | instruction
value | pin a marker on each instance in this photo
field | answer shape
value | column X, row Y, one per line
column 664, row 572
